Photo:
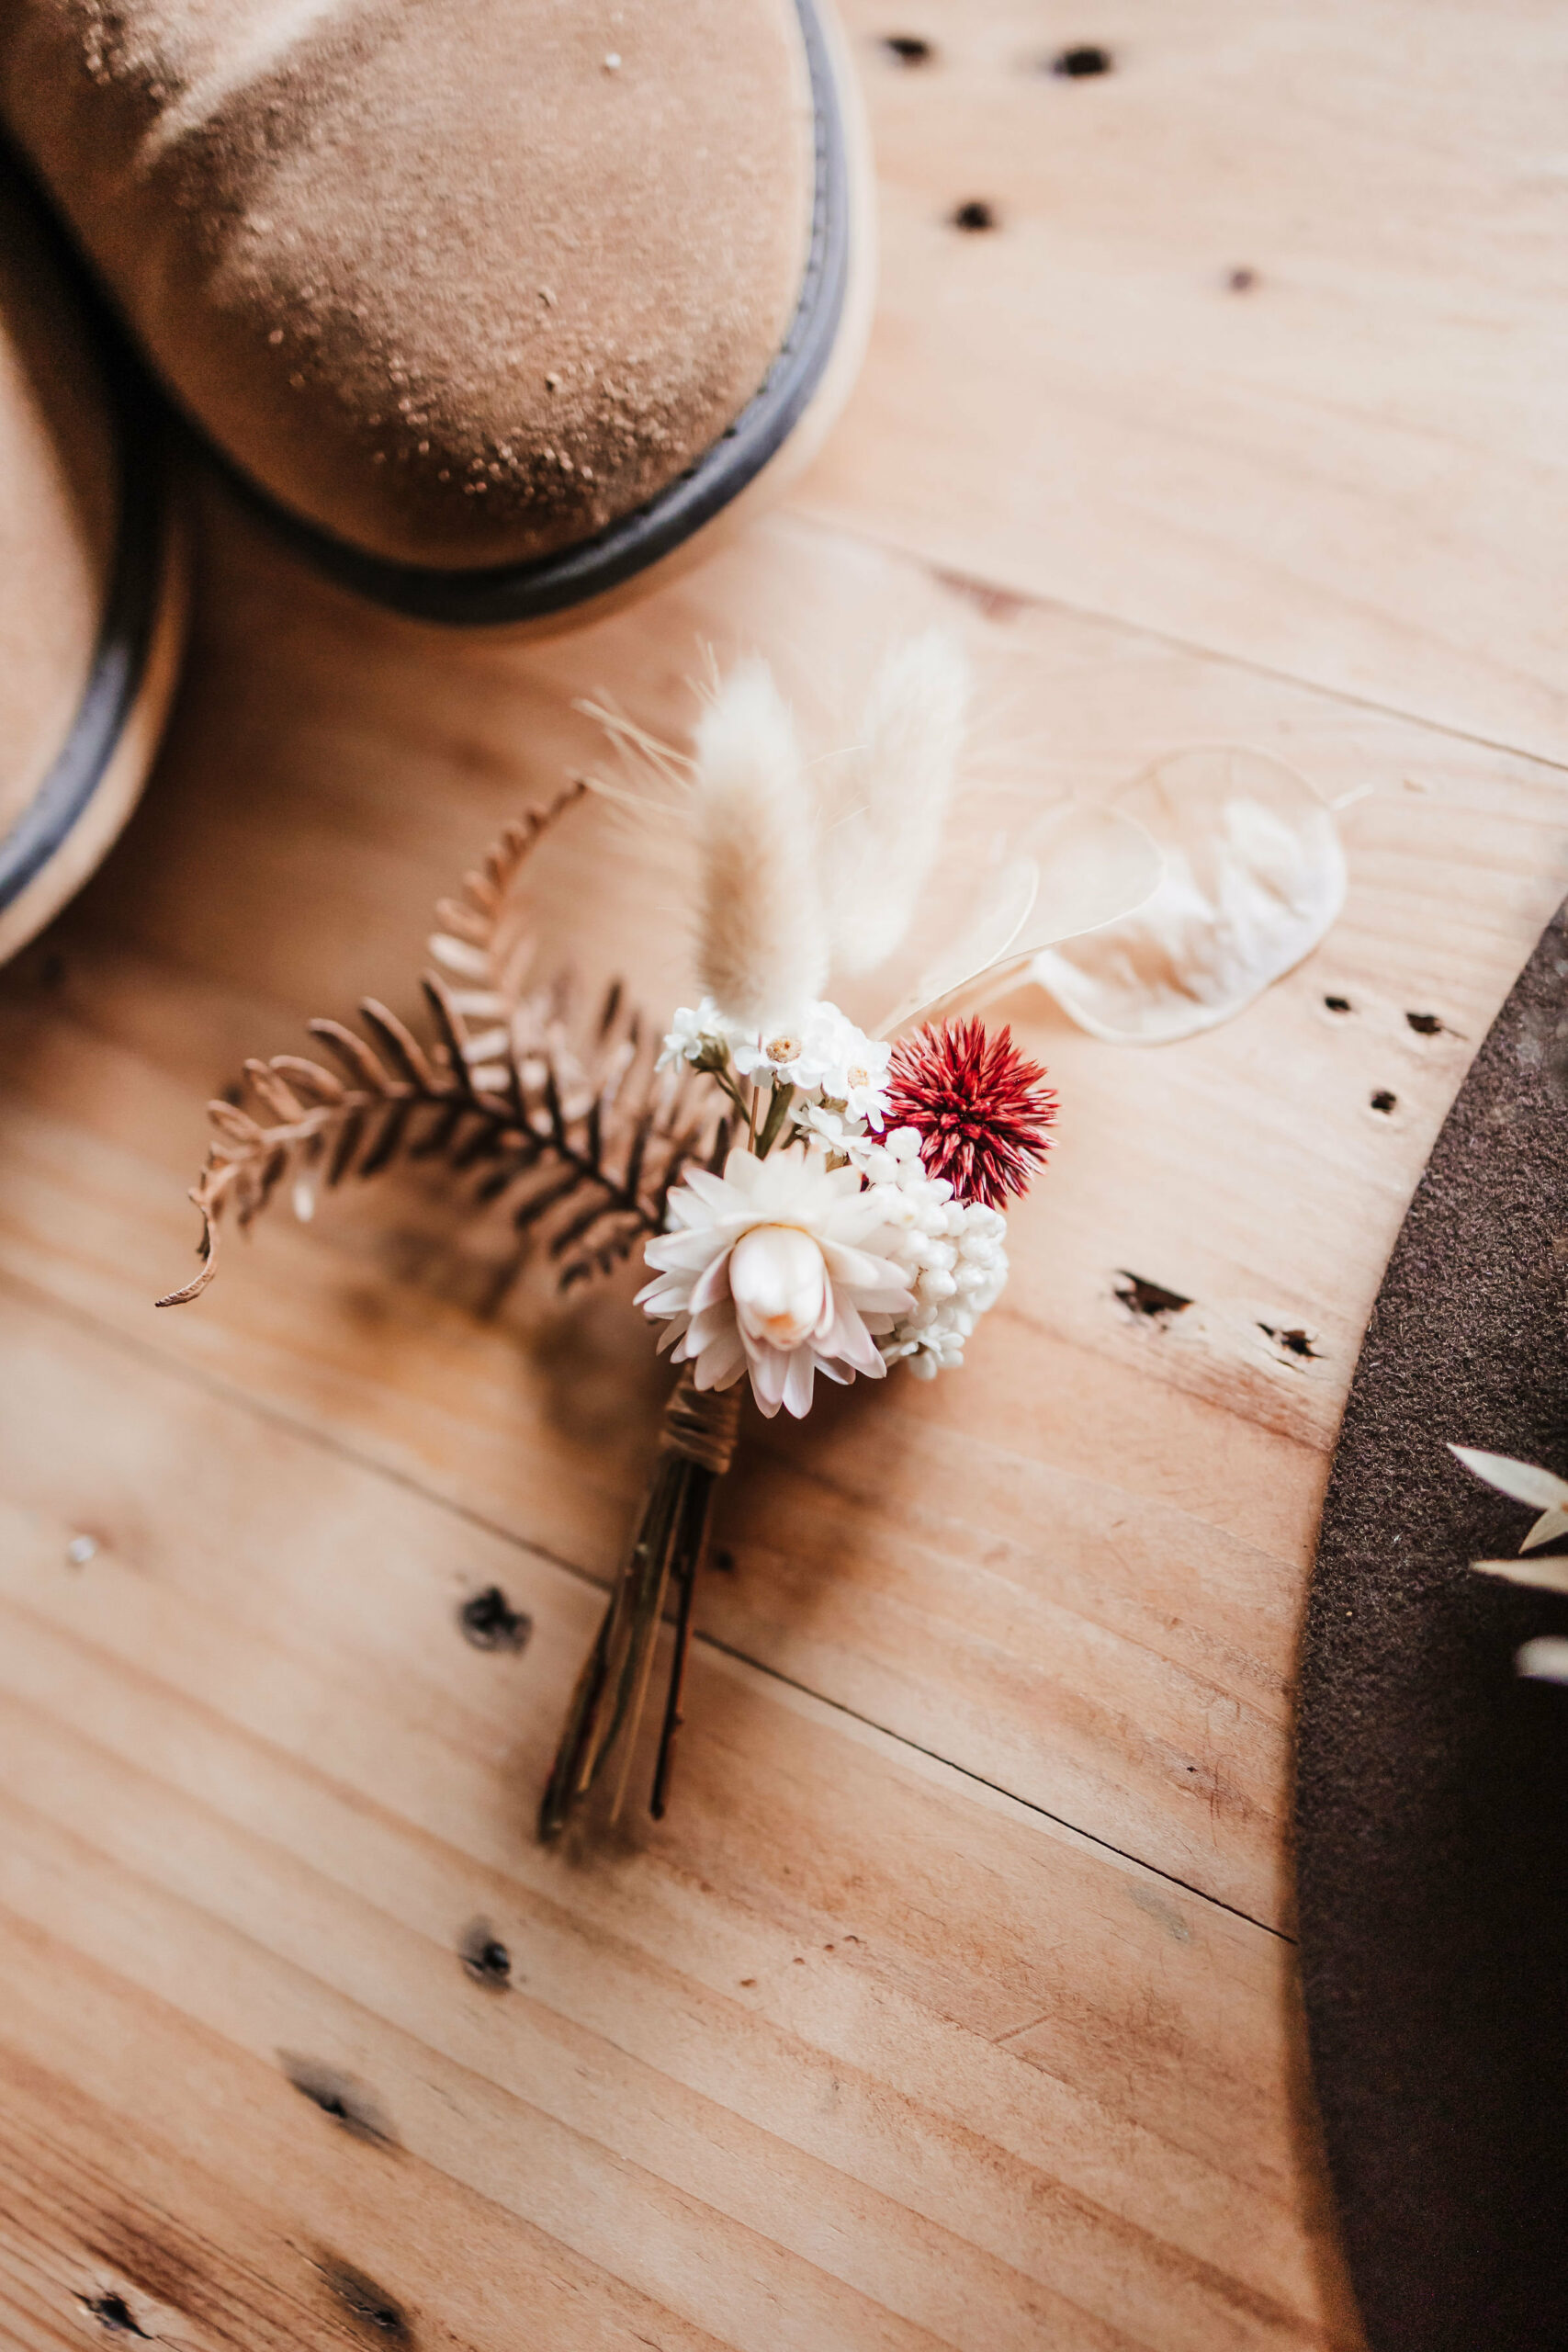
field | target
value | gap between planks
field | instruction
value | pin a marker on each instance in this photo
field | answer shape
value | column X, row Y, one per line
column 984, row 592
column 793, row 1695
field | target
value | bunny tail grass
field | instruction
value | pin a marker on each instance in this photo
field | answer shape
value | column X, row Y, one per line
column 762, row 942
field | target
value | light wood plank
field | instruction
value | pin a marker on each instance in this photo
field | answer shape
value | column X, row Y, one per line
column 864, row 2048
column 150, row 2161
column 1076, row 1570
column 1355, row 470
column 851, row 2052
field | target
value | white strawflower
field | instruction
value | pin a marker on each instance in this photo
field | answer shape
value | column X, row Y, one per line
column 781, row 1268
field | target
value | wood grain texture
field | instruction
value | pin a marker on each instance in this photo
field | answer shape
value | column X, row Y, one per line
column 1129, row 1674
column 1352, row 468
column 839, row 2056
column 953, row 2005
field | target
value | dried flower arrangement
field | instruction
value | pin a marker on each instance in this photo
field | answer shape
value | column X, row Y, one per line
column 1545, row 1658
column 810, row 1200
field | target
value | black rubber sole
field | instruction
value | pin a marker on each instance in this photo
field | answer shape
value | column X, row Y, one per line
column 131, row 609
column 500, row 594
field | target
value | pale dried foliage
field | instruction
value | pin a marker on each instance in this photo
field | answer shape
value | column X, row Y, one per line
column 1253, row 876
column 761, row 933
column 893, row 794
column 1545, row 1658
column 564, row 1121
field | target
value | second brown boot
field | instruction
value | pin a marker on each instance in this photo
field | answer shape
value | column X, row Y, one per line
column 92, row 576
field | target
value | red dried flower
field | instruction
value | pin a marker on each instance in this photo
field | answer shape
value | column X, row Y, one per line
column 981, row 1108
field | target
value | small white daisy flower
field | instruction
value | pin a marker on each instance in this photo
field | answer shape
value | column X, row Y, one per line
column 838, row 1131
column 695, row 1032
column 824, row 1054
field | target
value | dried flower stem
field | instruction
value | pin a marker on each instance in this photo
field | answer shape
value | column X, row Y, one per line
column 668, row 1547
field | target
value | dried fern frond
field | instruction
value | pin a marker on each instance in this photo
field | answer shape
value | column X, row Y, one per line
column 483, row 942
column 567, row 1122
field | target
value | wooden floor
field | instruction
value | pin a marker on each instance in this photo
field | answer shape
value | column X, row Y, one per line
column 954, row 2005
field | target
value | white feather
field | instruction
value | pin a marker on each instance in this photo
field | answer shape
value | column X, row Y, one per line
column 894, row 795
column 762, row 942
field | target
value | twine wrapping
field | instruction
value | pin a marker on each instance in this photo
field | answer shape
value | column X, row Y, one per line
column 701, row 1424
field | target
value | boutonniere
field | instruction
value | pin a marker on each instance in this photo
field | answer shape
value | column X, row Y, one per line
column 812, row 1200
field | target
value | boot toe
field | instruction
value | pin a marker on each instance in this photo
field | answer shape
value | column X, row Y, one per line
column 458, row 291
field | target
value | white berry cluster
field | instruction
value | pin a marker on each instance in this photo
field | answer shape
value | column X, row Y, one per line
column 952, row 1253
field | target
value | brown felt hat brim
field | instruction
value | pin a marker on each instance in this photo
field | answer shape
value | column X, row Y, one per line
column 1432, row 1781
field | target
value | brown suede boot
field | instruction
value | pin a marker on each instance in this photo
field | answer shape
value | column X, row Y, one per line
column 91, row 585
column 496, row 302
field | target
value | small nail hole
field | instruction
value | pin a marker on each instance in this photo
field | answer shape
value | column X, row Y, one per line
column 974, row 216
column 1075, row 65
column 113, row 2313
column 907, row 48
column 485, row 1957
column 1152, row 1299
column 381, row 2313
column 1297, row 1343
column 490, row 1622
column 1383, row 1101
column 1338, row 1003
column 347, row 2102
column 1426, row 1024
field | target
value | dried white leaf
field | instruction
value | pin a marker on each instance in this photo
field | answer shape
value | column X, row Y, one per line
column 1543, row 1576
column 1079, row 868
column 976, row 948
column 1543, row 1660
column 1097, row 866
column 1253, row 876
column 1525, row 1481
